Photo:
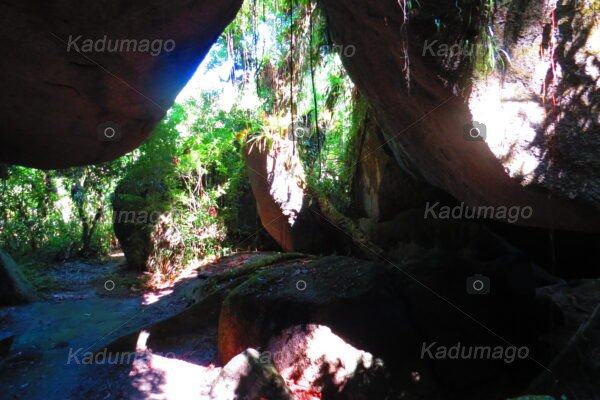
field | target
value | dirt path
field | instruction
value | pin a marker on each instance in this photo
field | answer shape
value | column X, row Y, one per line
column 57, row 352
column 47, row 359
column 93, row 305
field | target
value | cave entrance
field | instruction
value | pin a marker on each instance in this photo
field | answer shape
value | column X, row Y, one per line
column 184, row 196
column 273, row 76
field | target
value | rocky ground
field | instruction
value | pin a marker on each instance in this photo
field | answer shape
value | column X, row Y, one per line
column 87, row 311
column 291, row 326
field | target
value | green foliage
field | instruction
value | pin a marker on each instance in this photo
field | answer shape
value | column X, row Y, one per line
column 300, row 81
column 327, row 155
column 90, row 189
column 472, row 26
column 57, row 214
column 37, row 276
column 28, row 218
column 191, row 170
column 488, row 56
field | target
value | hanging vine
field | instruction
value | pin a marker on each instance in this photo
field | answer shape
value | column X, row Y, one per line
column 316, row 133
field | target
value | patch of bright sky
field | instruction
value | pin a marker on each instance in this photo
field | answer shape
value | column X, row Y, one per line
column 216, row 77
column 207, row 79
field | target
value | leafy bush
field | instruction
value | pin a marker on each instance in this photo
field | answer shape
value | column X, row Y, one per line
column 190, row 176
column 56, row 214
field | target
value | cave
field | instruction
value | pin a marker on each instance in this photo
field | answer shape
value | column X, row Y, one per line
column 300, row 199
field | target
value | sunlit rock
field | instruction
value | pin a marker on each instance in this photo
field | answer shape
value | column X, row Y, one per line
column 279, row 185
column 534, row 93
column 313, row 359
column 247, row 376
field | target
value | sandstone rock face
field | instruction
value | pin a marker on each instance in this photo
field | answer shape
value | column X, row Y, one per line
column 278, row 184
column 248, row 376
column 57, row 102
column 380, row 188
column 14, row 289
column 334, row 291
column 411, row 230
column 541, row 113
column 393, row 315
column 301, row 353
column 312, row 358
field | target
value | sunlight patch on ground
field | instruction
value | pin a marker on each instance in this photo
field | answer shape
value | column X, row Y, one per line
column 165, row 288
column 161, row 378
column 305, row 356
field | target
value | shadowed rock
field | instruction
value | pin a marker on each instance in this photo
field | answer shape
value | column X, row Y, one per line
column 542, row 130
column 14, row 289
column 58, row 97
column 393, row 315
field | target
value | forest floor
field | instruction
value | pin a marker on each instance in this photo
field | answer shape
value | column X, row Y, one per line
column 58, row 345
column 92, row 305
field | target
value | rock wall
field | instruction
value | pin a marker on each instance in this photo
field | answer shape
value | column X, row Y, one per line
column 14, row 289
column 380, row 188
column 286, row 210
column 384, row 312
column 541, row 111
column 59, row 96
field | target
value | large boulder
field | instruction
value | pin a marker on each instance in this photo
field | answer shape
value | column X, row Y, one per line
column 316, row 363
column 141, row 221
column 285, row 209
column 393, row 313
column 249, row 376
column 59, row 95
column 334, row 291
column 541, row 111
column 14, row 289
